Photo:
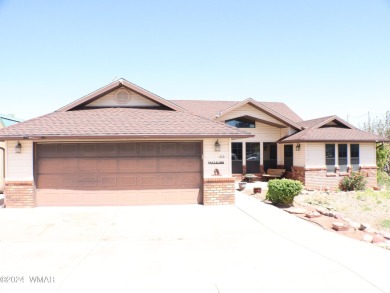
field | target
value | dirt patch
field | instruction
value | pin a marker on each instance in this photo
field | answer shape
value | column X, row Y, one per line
column 363, row 216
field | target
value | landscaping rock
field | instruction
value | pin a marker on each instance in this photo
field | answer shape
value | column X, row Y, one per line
column 295, row 210
column 364, row 226
column 313, row 214
column 378, row 238
column 338, row 226
column 353, row 224
column 322, row 211
column 368, row 238
column 386, row 235
column 370, row 230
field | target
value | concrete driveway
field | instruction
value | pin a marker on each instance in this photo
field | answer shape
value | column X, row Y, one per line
column 250, row 247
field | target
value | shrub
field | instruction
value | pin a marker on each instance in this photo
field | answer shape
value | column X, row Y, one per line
column 383, row 179
column 355, row 181
column 282, row 191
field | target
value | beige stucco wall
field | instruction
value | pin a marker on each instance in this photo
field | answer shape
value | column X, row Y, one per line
column 315, row 154
column 19, row 167
column 262, row 132
column 210, row 157
column 367, row 154
column 248, row 110
column 135, row 100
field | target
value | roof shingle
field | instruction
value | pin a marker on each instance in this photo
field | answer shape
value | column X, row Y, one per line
column 120, row 122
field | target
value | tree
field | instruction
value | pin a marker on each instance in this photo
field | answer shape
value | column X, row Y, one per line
column 381, row 126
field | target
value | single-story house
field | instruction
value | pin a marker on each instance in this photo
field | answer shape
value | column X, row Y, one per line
column 5, row 120
column 123, row 145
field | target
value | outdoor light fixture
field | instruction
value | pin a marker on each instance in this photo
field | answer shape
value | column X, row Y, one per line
column 298, row 147
column 217, row 146
column 18, row 148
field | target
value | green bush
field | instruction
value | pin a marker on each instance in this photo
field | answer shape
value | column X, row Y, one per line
column 355, row 181
column 282, row 191
column 383, row 179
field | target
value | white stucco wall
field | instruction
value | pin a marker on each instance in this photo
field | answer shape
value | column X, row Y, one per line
column 19, row 167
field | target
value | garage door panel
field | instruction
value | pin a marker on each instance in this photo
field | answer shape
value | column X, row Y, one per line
column 127, row 181
column 147, row 149
column 109, row 182
column 48, row 181
column 189, row 179
column 169, row 164
column 69, row 150
column 167, row 180
column 128, row 173
column 128, row 149
column 109, row 150
column 87, row 182
column 107, row 165
column 89, row 150
column 189, row 149
column 147, row 164
column 127, row 165
column 146, row 180
column 189, row 165
column 88, row 166
column 168, row 149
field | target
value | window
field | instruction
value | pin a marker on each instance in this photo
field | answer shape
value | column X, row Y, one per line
column 330, row 157
column 355, row 157
column 241, row 123
column 343, row 157
column 237, row 157
column 252, row 157
column 288, row 156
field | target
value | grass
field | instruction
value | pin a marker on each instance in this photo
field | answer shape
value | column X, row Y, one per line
column 386, row 223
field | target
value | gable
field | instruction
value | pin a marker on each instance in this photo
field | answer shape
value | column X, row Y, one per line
column 122, row 97
column 334, row 123
column 128, row 93
column 247, row 110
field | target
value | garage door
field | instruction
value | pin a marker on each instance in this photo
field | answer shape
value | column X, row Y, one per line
column 128, row 173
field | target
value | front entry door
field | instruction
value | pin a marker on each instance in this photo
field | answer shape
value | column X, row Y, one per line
column 237, row 157
column 269, row 155
column 252, row 157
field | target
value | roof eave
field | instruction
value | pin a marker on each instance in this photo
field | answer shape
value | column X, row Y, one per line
column 106, row 137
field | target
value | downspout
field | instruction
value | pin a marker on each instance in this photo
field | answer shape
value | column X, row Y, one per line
column 3, row 149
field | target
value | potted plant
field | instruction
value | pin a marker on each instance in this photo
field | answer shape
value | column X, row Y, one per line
column 241, row 185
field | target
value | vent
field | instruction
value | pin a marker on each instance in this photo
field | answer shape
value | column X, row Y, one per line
column 122, row 97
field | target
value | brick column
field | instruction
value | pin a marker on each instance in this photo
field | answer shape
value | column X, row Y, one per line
column 371, row 173
column 19, row 194
column 218, row 191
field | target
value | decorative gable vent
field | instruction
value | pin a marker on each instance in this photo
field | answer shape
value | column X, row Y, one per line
column 122, row 97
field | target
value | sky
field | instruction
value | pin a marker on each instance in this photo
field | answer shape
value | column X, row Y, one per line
column 321, row 58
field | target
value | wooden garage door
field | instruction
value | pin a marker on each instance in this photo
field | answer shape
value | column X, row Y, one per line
column 128, row 173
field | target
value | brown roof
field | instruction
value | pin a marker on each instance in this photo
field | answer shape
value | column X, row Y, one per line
column 120, row 123
column 333, row 134
column 318, row 122
column 212, row 109
column 318, row 130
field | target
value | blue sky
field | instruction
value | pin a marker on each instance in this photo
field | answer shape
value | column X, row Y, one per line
column 319, row 57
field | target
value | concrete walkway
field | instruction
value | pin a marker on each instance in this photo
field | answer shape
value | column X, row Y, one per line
column 251, row 247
